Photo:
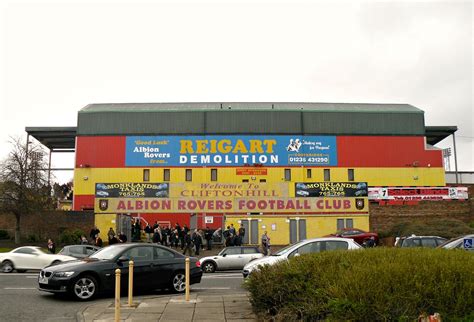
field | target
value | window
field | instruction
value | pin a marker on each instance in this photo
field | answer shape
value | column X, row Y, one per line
column 233, row 251
column 350, row 174
column 349, row 223
column 250, row 250
column 327, row 175
column 335, row 245
column 76, row 250
column 287, row 174
column 166, row 175
column 263, row 180
column 25, row 251
column 213, row 174
column 340, row 224
column 307, row 249
column 140, row 254
column 308, row 173
column 428, row 242
column 160, row 253
column 90, row 250
column 189, row 175
column 146, row 174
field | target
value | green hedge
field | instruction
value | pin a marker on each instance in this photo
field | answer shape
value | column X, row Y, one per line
column 367, row 285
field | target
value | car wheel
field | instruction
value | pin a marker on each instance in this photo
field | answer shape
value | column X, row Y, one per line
column 209, row 267
column 7, row 267
column 178, row 283
column 85, row 288
column 21, row 270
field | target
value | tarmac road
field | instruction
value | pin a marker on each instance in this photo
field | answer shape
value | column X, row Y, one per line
column 21, row 301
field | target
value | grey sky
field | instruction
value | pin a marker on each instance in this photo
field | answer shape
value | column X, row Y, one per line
column 57, row 57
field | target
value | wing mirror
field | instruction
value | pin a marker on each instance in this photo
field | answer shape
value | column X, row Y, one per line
column 123, row 259
column 224, row 255
column 297, row 254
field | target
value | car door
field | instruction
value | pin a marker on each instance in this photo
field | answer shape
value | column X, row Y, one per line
column 143, row 266
column 165, row 262
column 232, row 258
column 25, row 258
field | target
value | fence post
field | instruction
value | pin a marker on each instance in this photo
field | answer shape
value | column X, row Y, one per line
column 130, row 283
column 187, row 279
column 117, row 295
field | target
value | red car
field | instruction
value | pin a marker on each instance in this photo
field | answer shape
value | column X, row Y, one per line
column 357, row 234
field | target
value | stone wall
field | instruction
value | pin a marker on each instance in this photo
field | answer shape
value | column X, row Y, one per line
column 49, row 224
column 382, row 218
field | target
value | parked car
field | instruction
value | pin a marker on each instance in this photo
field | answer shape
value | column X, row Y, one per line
column 303, row 247
column 155, row 267
column 26, row 258
column 78, row 251
column 459, row 243
column 358, row 235
column 420, row 241
column 235, row 257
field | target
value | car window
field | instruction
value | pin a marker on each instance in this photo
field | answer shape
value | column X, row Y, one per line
column 250, row 250
column 160, row 253
column 140, row 254
column 29, row 251
column 440, row 241
column 428, row 242
column 335, row 245
column 412, row 242
column 90, row 250
column 233, row 251
column 76, row 250
column 307, row 248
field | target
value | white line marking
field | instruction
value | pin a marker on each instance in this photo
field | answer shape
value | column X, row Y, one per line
column 221, row 278
column 35, row 276
column 223, row 275
column 19, row 288
column 17, row 274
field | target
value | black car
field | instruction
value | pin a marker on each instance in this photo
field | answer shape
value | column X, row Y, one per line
column 155, row 267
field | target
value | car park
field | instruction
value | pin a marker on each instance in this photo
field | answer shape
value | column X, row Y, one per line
column 420, row 241
column 309, row 246
column 155, row 267
column 78, row 251
column 26, row 258
column 235, row 257
column 465, row 242
column 359, row 235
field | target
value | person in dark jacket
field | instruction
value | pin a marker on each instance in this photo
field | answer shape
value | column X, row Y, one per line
column 138, row 230
column 188, row 244
column 208, row 237
column 165, row 233
column 98, row 241
column 51, row 246
column 94, row 232
column 122, row 237
column 197, row 240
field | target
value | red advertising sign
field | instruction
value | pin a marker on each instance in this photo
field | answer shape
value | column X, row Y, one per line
column 251, row 172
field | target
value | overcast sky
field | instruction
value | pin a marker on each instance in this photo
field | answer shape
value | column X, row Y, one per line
column 58, row 56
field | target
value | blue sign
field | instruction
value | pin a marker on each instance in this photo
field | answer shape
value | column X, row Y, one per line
column 218, row 150
column 468, row 243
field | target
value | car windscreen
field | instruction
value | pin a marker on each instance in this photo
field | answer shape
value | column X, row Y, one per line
column 107, row 253
column 283, row 250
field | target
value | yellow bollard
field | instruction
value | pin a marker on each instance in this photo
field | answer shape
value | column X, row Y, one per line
column 187, row 279
column 117, row 295
column 130, row 283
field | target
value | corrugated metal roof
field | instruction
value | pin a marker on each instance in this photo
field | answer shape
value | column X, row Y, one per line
column 250, row 118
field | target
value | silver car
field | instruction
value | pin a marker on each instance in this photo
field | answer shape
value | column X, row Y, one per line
column 235, row 257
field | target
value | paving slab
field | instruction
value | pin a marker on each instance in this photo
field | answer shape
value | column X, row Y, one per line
column 209, row 305
column 145, row 317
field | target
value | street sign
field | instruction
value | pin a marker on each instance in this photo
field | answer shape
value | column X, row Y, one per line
column 468, row 243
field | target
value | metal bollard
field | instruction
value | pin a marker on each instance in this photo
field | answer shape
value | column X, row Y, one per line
column 117, row 295
column 187, row 278
column 130, row 283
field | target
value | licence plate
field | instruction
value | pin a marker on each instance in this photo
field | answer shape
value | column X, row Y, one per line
column 43, row 280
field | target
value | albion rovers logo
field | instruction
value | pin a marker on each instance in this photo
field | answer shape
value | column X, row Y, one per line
column 103, row 204
column 359, row 203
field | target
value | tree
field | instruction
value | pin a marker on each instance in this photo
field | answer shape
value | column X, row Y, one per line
column 24, row 187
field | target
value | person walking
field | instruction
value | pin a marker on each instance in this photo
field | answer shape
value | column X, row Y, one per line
column 188, row 244
column 51, row 246
column 110, row 235
column 241, row 233
column 84, row 240
column 94, row 232
column 197, row 240
column 149, row 233
column 265, row 244
column 122, row 237
column 208, row 237
column 98, row 241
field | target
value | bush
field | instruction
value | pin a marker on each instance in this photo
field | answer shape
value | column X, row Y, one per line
column 367, row 285
column 70, row 237
column 32, row 238
column 4, row 234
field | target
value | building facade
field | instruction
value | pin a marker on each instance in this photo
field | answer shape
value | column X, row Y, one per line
column 296, row 170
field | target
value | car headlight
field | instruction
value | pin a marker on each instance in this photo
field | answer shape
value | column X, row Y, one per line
column 63, row 274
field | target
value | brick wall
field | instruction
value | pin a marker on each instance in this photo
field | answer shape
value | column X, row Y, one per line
column 382, row 218
column 49, row 224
